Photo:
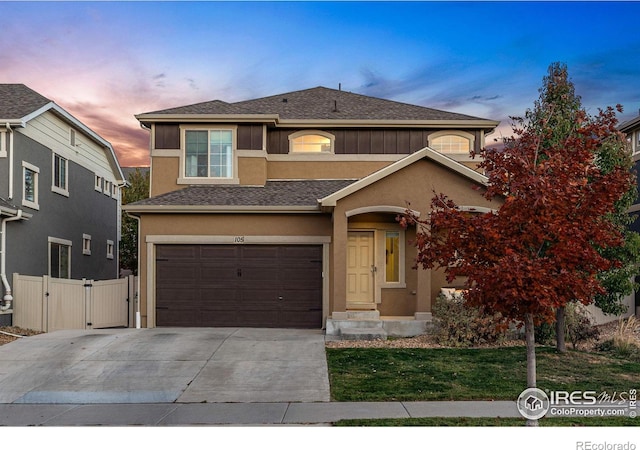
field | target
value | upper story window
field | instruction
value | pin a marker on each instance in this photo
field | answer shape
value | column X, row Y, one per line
column 209, row 153
column 30, row 175
column 458, row 142
column 311, row 142
column 59, row 178
column 98, row 183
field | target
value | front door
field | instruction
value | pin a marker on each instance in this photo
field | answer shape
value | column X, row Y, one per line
column 360, row 270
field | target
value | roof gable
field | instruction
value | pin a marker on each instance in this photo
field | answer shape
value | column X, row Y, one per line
column 20, row 104
column 425, row 153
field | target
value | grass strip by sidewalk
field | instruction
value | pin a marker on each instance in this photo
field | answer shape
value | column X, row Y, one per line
column 490, row 422
column 415, row 374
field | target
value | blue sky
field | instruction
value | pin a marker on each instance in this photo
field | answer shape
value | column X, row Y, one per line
column 106, row 61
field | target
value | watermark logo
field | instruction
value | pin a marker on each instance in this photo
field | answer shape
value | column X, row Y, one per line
column 533, row 403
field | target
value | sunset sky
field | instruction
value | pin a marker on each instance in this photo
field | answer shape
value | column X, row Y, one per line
column 104, row 62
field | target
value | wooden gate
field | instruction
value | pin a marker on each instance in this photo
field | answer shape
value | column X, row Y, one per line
column 49, row 304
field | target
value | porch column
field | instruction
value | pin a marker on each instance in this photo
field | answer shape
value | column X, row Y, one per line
column 339, row 267
column 423, row 295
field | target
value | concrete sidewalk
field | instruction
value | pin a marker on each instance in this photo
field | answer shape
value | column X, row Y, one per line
column 183, row 414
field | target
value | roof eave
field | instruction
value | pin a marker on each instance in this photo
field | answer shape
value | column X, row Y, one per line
column 14, row 212
column 629, row 124
column 451, row 124
column 214, row 209
column 219, row 118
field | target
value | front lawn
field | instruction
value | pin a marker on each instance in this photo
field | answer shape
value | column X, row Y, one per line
column 490, row 422
column 414, row 374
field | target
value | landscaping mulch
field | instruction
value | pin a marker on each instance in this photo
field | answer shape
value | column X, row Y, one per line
column 6, row 338
column 427, row 340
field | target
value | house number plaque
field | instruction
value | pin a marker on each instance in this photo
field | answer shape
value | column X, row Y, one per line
column 238, row 240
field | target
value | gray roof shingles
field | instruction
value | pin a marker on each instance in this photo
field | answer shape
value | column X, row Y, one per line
column 274, row 194
column 18, row 101
column 320, row 103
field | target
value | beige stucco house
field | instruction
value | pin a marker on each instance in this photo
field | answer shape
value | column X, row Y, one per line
column 282, row 211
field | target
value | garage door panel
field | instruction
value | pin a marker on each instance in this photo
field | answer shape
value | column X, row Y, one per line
column 215, row 296
column 176, row 252
column 245, row 285
column 219, row 252
column 215, row 274
column 177, row 272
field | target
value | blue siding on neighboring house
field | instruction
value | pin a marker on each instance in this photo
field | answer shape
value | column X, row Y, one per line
column 85, row 211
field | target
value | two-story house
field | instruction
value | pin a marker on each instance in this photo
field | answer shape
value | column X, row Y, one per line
column 282, row 211
column 632, row 129
column 59, row 193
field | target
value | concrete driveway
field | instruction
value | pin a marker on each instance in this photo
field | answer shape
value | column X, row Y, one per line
column 184, row 365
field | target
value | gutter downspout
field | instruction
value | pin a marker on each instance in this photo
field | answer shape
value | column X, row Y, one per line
column 8, row 298
column 137, row 296
column 10, row 131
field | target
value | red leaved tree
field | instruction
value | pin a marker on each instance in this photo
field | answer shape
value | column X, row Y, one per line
column 538, row 250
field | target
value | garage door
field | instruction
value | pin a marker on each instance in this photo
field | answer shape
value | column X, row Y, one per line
column 276, row 286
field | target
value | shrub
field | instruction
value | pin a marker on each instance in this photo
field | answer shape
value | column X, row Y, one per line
column 624, row 343
column 461, row 325
column 578, row 327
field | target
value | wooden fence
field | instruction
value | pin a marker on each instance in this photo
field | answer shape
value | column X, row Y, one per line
column 49, row 304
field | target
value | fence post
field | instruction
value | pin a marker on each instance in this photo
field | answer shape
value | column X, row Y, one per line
column 45, row 303
column 88, row 323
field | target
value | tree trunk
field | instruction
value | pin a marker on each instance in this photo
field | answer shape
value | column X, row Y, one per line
column 531, row 357
column 561, row 345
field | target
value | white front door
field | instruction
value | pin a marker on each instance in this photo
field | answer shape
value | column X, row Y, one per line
column 360, row 270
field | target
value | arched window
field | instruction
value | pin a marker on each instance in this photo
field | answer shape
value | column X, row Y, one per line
column 311, row 142
column 451, row 142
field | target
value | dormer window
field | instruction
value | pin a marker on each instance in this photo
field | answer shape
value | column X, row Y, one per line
column 458, row 142
column 311, row 142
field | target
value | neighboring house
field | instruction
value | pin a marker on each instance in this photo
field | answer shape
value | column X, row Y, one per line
column 59, row 193
column 281, row 211
column 632, row 129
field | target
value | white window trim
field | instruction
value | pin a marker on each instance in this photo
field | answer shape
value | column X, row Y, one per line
column 110, row 249
column 463, row 134
column 182, row 179
column 298, row 134
column 86, row 238
column 53, row 240
column 72, row 137
column 3, row 144
column 25, row 202
column 106, row 190
column 62, row 191
column 98, row 183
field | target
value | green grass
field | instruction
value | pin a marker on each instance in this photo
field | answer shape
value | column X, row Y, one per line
column 373, row 374
column 491, row 422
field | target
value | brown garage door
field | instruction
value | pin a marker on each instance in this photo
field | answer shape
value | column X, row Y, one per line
column 277, row 286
